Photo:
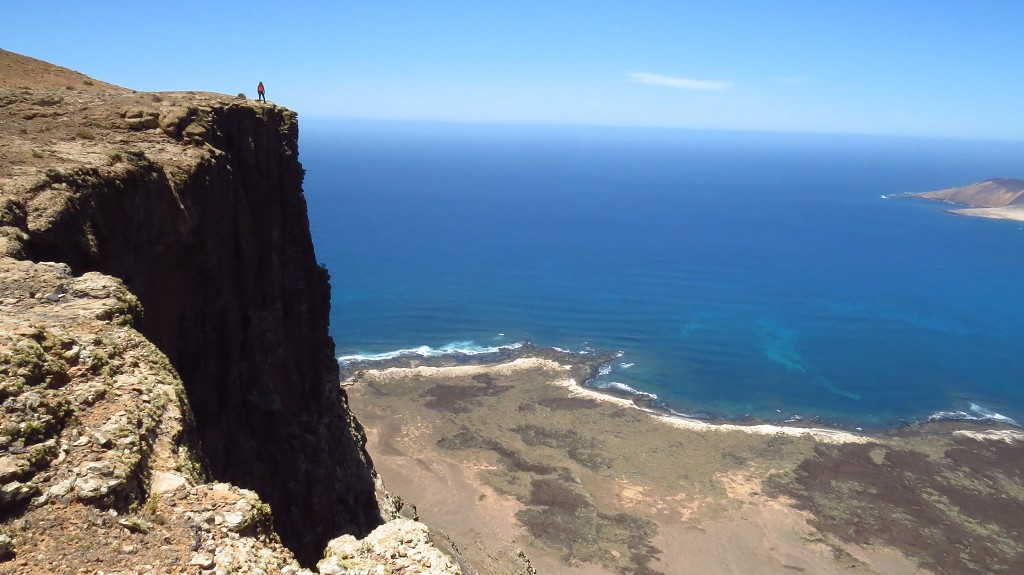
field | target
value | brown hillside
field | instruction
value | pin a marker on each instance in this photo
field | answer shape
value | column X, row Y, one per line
column 17, row 71
column 995, row 193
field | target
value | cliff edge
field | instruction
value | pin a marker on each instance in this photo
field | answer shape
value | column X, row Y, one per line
column 165, row 363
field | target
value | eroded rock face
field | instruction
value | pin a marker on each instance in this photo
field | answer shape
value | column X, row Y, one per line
column 188, row 206
column 91, row 410
column 399, row 546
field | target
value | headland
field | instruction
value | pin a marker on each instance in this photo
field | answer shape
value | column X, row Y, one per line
column 170, row 398
column 998, row 198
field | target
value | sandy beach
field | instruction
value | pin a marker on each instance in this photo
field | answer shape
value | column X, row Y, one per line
column 517, row 456
column 993, row 199
column 1015, row 213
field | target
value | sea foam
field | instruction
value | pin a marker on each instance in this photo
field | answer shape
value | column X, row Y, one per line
column 977, row 413
column 618, row 387
column 454, row 348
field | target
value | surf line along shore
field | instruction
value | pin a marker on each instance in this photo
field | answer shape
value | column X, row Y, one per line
column 510, row 453
column 574, row 367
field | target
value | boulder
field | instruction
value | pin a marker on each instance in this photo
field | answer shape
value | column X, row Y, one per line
column 143, row 123
column 196, row 133
column 171, row 120
column 6, row 547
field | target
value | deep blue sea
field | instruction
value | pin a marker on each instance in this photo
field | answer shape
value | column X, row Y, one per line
column 737, row 273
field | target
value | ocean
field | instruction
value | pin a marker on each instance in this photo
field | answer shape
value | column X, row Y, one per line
column 736, row 274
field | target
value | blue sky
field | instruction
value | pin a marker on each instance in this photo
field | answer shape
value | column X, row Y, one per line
column 903, row 67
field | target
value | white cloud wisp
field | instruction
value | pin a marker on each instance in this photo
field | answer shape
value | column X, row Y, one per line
column 678, row 83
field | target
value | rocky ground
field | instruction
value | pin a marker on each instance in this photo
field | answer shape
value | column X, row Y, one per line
column 97, row 470
column 88, row 124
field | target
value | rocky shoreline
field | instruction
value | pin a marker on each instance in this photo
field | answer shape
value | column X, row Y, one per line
column 584, row 368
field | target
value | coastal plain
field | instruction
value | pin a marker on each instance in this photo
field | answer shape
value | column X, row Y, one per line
column 514, row 459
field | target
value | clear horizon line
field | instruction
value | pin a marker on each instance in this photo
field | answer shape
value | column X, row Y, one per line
column 628, row 126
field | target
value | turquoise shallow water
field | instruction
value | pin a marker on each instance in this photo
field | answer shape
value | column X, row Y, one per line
column 738, row 273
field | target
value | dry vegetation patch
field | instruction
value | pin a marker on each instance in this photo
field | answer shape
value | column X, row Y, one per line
column 958, row 512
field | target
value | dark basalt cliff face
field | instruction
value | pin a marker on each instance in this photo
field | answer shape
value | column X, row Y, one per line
column 199, row 210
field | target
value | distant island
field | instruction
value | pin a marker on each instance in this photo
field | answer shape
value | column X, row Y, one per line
column 999, row 198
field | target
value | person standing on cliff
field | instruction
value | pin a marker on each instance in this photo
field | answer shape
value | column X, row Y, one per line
column 260, row 93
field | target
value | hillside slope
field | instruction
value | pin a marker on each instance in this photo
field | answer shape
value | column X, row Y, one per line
column 994, row 193
column 998, row 198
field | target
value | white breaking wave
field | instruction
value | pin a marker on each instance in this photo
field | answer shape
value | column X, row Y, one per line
column 626, row 365
column 978, row 413
column 686, row 415
column 454, row 348
column 604, row 370
column 623, row 388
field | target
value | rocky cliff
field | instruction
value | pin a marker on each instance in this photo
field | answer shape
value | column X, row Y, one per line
column 165, row 363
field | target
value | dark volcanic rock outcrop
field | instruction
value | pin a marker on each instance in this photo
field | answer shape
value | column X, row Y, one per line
column 194, row 201
column 222, row 262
